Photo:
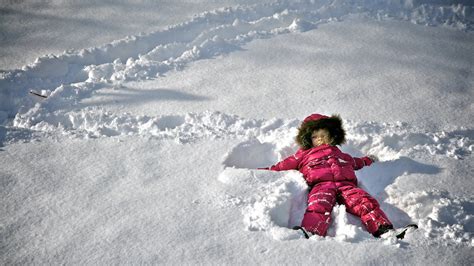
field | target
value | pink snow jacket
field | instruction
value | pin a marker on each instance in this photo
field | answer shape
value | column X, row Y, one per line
column 323, row 163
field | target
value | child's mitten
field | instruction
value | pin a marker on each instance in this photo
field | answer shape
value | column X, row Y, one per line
column 373, row 158
column 368, row 160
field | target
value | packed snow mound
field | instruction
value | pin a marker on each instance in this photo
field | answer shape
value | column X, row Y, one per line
column 271, row 202
column 439, row 214
column 210, row 34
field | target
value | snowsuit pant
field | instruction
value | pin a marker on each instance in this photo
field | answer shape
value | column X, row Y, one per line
column 322, row 198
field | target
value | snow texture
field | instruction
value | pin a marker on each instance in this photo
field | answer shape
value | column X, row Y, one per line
column 145, row 149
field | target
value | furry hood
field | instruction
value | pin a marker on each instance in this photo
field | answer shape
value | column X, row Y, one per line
column 333, row 124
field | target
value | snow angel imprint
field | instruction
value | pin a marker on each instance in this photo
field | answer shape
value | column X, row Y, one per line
column 330, row 175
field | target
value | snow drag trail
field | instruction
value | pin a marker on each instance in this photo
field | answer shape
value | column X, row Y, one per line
column 73, row 76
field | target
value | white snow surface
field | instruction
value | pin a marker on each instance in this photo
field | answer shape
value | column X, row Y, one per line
column 158, row 113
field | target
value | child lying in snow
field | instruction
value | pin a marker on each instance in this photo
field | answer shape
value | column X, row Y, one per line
column 330, row 175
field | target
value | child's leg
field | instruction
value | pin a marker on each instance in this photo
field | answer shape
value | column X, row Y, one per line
column 321, row 200
column 361, row 204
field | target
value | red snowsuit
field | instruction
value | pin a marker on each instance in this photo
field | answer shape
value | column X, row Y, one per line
column 330, row 174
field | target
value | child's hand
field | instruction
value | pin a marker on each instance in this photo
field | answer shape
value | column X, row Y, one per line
column 373, row 158
column 369, row 159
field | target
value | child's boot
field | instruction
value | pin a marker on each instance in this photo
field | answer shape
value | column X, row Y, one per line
column 303, row 231
column 398, row 233
column 384, row 228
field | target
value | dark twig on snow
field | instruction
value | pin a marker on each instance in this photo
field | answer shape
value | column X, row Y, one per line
column 39, row 95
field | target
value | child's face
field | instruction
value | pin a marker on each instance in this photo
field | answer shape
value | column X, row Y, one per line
column 320, row 137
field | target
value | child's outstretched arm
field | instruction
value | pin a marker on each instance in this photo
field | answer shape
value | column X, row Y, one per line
column 289, row 163
column 361, row 162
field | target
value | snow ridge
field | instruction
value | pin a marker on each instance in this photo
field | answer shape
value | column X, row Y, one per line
column 388, row 141
column 274, row 137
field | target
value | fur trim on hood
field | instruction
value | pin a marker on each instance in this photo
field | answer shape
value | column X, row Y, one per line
column 332, row 124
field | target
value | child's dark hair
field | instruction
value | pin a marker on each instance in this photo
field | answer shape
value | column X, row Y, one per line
column 332, row 124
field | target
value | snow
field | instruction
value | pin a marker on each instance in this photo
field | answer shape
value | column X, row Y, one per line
column 146, row 147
